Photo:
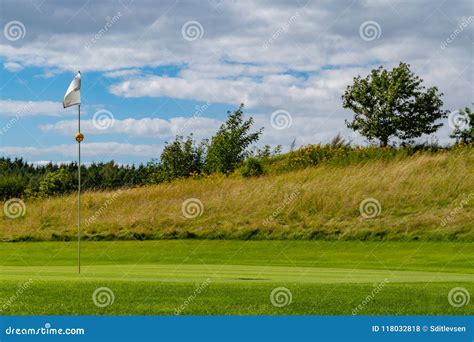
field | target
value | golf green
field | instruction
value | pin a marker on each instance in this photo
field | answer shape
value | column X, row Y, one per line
column 237, row 277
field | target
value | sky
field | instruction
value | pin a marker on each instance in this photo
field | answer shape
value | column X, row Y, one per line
column 155, row 69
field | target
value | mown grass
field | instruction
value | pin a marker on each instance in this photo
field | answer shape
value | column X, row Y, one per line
column 159, row 277
column 142, row 298
column 416, row 193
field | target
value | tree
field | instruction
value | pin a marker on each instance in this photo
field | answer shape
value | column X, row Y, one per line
column 181, row 158
column 464, row 131
column 53, row 183
column 228, row 148
column 393, row 104
column 252, row 167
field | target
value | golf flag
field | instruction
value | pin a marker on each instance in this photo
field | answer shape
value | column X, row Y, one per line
column 73, row 93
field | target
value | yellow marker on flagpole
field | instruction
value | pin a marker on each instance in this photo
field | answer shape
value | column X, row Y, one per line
column 73, row 97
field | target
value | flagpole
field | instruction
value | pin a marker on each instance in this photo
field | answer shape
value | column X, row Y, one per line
column 72, row 98
column 79, row 193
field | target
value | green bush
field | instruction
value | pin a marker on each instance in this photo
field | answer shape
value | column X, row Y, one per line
column 181, row 158
column 228, row 147
column 11, row 186
column 252, row 167
column 53, row 183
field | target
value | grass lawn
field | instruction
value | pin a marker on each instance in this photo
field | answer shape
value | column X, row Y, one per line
column 235, row 277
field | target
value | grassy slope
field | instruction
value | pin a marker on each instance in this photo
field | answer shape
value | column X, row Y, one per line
column 415, row 193
column 156, row 277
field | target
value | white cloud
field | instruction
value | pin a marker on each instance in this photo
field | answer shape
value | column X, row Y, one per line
column 122, row 73
column 12, row 66
column 274, row 91
column 145, row 127
column 109, row 149
column 33, row 108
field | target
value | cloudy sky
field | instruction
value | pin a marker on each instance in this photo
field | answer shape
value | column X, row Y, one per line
column 151, row 70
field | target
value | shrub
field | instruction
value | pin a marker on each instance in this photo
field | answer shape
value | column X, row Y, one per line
column 228, row 148
column 53, row 183
column 181, row 158
column 11, row 186
column 252, row 167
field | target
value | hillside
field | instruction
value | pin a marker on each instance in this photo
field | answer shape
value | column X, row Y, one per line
column 425, row 196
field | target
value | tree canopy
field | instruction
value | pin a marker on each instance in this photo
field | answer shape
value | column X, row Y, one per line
column 228, row 147
column 393, row 103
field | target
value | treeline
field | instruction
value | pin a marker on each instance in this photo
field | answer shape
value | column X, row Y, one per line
column 19, row 178
column 223, row 153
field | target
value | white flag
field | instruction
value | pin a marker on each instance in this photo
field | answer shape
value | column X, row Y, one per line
column 73, row 93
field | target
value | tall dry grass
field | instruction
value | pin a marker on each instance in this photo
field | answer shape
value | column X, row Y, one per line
column 421, row 197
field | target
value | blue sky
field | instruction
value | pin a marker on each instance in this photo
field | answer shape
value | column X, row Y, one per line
column 167, row 68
